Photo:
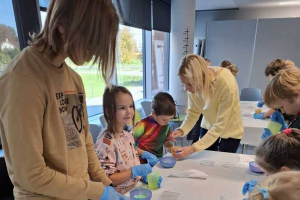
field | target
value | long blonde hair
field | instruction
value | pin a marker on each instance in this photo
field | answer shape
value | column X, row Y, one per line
column 285, row 85
column 283, row 185
column 195, row 69
column 96, row 20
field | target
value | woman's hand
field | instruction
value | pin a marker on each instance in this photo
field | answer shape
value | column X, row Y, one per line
column 184, row 152
column 175, row 134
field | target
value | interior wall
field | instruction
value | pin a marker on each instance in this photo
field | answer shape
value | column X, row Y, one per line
column 241, row 14
column 234, row 41
column 275, row 38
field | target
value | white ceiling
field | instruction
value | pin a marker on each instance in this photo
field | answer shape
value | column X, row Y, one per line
column 235, row 4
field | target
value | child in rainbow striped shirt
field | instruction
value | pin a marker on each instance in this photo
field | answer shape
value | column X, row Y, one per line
column 153, row 132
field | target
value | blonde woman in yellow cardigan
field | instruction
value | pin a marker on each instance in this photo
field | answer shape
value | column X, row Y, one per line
column 213, row 92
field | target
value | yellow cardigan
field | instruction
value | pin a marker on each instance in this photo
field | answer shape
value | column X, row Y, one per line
column 222, row 116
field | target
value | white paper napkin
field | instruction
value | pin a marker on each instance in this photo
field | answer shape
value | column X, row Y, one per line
column 191, row 173
column 246, row 158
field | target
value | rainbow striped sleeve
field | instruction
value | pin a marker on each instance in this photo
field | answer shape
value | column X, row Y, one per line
column 139, row 130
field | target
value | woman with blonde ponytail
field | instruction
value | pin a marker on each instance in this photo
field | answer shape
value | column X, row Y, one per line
column 213, row 92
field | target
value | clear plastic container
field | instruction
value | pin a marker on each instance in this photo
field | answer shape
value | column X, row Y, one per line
column 274, row 127
column 153, row 179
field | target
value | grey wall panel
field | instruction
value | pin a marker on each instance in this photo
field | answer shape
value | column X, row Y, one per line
column 276, row 38
column 241, row 14
column 233, row 41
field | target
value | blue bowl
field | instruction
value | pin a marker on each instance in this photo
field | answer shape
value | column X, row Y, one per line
column 254, row 167
column 167, row 162
column 140, row 194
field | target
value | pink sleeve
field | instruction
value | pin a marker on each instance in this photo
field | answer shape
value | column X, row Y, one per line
column 106, row 154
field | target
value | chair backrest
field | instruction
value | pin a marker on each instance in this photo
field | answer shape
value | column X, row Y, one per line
column 137, row 117
column 251, row 94
column 146, row 107
column 141, row 112
column 103, row 121
column 95, row 131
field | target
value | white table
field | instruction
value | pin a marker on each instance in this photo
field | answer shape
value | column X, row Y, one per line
column 225, row 178
column 253, row 128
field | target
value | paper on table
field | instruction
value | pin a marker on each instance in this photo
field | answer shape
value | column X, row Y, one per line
column 246, row 158
column 222, row 198
column 191, row 173
column 207, row 162
column 166, row 195
column 228, row 164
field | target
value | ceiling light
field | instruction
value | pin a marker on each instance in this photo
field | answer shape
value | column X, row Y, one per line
column 289, row 3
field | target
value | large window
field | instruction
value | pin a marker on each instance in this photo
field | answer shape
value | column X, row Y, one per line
column 44, row 3
column 130, row 60
column 130, row 65
column 160, row 61
column 9, row 43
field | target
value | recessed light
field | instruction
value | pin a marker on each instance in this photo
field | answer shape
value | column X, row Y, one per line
column 289, row 3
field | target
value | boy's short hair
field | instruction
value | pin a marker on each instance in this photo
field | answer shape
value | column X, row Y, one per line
column 163, row 104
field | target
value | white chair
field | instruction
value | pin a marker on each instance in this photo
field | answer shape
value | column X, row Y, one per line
column 147, row 107
column 95, row 131
column 250, row 94
column 141, row 112
column 103, row 121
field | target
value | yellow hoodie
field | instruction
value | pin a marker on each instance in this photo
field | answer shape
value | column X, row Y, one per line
column 222, row 116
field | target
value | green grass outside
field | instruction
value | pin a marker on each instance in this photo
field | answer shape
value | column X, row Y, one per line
column 94, row 85
column 93, row 82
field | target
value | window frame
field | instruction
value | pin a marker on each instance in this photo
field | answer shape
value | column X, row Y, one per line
column 28, row 20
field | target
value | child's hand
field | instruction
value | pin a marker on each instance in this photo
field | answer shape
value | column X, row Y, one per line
column 145, row 180
column 278, row 117
column 267, row 133
column 159, row 181
column 260, row 104
column 109, row 193
column 258, row 115
column 141, row 170
column 152, row 159
column 249, row 186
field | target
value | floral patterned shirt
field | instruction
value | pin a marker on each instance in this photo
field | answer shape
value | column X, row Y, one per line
column 117, row 153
